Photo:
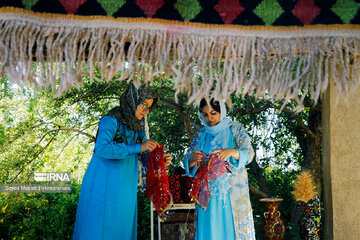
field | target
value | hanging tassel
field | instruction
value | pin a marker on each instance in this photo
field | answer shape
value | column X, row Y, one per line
column 204, row 60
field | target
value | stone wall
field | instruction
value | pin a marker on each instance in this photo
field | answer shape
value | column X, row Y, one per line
column 341, row 165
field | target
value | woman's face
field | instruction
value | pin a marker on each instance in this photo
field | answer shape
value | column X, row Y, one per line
column 211, row 116
column 143, row 108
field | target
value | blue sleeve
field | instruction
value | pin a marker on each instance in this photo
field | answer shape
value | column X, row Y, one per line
column 105, row 147
column 242, row 144
column 191, row 172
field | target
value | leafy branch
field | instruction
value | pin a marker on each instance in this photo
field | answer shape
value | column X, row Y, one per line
column 36, row 156
column 92, row 138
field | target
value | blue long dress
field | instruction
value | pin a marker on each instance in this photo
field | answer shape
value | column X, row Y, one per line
column 107, row 207
column 229, row 213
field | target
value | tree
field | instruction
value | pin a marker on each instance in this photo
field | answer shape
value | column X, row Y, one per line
column 42, row 133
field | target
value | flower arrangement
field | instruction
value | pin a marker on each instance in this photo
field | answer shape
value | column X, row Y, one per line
column 304, row 187
column 309, row 223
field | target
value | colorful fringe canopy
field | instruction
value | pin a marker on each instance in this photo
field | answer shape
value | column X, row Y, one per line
column 157, row 183
column 269, row 47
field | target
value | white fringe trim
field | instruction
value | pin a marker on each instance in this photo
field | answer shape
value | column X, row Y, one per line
column 278, row 64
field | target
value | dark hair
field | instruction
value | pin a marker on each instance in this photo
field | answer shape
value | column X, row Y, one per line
column 214, row 104
column 154, row 102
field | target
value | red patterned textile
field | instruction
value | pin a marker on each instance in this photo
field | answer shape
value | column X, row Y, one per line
column 180, row 186
column 157, row 183
column 211, row 169
column 175, row 186
column 186, row 183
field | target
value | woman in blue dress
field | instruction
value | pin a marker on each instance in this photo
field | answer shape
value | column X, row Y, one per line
column 228, row 214
column 107, row 207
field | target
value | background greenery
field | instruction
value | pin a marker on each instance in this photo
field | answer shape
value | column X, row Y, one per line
column 40, row 133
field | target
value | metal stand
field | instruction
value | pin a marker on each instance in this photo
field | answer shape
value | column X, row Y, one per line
column 176, row 206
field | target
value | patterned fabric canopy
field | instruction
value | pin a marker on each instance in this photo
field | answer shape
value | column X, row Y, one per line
column 275, row 48
column 250, row 12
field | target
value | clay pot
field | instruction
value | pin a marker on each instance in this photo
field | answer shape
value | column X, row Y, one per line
column 273, row 227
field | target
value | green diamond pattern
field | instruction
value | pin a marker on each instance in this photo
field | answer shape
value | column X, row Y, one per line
column 111, row 6
column 268, row 11
column 29, row 3
column 188, row 9
column 346, row 9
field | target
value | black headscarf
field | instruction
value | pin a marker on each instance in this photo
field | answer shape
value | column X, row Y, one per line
column 129, row 102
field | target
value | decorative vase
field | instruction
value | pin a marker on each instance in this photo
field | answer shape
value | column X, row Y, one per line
column 309, row 222
column 273, row 227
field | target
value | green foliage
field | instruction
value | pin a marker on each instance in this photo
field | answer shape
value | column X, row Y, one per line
column 281, row 183
column 38, row 215
column 52, row 215
column 166, row 121
column 144, row 228
column 30, row 141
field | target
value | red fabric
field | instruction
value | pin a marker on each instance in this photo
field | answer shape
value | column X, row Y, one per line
column 157, row 183
column 211, row 169
column 175, row 188
column 180, row 186
column 71, row 6
column 186, row 183
column 306, row 11
column 229, row 10
column 150, row 7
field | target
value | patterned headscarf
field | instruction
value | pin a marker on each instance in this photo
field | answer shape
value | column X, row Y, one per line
column 129, row 102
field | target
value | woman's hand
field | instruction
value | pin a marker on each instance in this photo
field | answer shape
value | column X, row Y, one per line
column 149, row 145
column 226, row 153
column 167, row 157
column 195, row 159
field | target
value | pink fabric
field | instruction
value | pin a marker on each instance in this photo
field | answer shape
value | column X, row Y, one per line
column 211, row 169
